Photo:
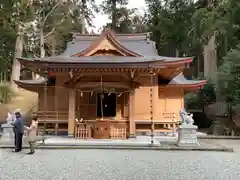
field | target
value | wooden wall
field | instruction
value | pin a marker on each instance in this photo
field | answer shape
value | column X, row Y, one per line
column 171, row 99
column 57, row 97
column 168, row 100
column 50, row 105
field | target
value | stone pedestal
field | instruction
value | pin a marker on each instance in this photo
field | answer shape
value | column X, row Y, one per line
column 7, row 135
column 187, row 135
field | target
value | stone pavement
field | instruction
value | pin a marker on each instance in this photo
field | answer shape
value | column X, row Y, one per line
column 119, row 165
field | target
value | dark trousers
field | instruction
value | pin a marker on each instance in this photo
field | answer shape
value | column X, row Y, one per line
column 18, row 141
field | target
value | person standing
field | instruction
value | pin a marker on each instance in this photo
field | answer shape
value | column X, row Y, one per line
column 32, row 135
column 18, row 129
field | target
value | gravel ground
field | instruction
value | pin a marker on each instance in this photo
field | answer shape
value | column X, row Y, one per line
column 119, row 165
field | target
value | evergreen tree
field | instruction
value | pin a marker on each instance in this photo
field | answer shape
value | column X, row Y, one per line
column 110, row 7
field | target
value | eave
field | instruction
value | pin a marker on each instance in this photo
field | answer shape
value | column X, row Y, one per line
column 188, row 85
column 179, row 62
column 31, row 85
column 104, row 62
column 39, row 65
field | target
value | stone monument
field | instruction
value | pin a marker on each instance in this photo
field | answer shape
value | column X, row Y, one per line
column 8, row 135
column 187, row 133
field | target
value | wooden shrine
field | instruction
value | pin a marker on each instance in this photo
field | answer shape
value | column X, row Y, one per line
column 109, row 86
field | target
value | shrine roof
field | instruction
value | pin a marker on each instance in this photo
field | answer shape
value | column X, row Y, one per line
column 138, row 43
column 140, row 47
column 134, row 48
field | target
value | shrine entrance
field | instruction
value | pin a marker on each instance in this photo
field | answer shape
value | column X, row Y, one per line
column 106, row 105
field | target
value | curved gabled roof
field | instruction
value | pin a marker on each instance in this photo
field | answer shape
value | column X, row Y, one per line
column 136, row 43
column 134, row 48
column 107, row 34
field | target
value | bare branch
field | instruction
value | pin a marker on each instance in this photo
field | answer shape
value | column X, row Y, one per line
column 50, row 12
column 49, row 33
column 53, row 29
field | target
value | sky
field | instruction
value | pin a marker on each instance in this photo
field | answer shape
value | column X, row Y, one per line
column 101, row 19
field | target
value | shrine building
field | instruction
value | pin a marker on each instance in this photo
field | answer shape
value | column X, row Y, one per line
column 109, row 86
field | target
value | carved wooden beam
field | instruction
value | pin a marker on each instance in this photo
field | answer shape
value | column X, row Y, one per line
column 105, row 84
column 73, row 79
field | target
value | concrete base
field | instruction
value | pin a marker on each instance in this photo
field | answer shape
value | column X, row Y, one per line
column 151, row 148
column 70, row 135
column 138, row 141
column 187, row 136
column 132, row 136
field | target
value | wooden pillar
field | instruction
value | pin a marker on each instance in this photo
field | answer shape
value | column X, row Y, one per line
column 56, row 102
column 45, row 102
column 71, row 112
column 155, row 97
column 132, row 125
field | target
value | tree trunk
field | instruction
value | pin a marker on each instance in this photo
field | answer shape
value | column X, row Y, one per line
column 177, row 52
column 83, row 25
column 230, row 124
column 114, row 15
column 53, row 45
column 210, row 60
column 16, row 66
column 42, row 50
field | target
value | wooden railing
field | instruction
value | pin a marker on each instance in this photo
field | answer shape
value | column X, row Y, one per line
column 86, row 130
column 118, row 132
column 170, row 121
column 83, row 131
column 58, row 115
column 167, row 124
column 52, row 126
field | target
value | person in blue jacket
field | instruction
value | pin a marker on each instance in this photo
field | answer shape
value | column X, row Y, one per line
column 18, row 129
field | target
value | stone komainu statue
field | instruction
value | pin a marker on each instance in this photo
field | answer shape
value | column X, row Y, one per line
column 186, row 118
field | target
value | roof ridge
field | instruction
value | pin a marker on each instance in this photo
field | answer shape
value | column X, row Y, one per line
column 116, row 34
